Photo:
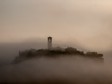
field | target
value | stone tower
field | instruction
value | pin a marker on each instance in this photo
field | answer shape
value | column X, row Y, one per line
column 49, row 43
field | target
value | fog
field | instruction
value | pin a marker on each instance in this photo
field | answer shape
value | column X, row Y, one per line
column 83, row 24
column 66, row 69
column 86, row 21
column 57, row 70
column 8, row 51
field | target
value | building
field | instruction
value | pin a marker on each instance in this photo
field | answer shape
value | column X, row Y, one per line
column 49, row 43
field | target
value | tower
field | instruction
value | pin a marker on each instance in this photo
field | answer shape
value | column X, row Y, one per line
column 49, row 43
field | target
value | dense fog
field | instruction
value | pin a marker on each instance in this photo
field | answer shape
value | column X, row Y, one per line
column 68, row 69
column 83, row 24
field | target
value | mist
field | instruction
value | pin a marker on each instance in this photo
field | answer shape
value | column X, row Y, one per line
column 83, row 24
column 66, row 69
column 86, row 22
column 57, row 70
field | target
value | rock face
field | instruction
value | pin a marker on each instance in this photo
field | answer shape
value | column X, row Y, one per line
column 27, row 54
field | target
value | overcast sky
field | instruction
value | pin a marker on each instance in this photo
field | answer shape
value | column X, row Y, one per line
column 89, row 22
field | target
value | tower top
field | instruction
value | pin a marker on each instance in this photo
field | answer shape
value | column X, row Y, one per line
column 49, row 37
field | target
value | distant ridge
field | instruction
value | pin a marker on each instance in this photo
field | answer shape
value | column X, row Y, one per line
column 69, row 51
column 54, row 52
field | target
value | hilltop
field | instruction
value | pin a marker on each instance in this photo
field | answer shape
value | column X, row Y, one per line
column 57, row 52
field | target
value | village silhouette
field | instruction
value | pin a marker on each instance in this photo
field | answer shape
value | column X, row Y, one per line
column 55, row 52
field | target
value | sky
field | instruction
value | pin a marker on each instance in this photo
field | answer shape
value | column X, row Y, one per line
column 84, row 22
